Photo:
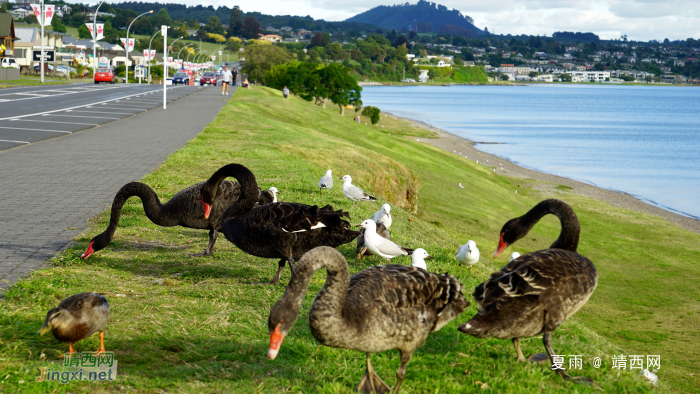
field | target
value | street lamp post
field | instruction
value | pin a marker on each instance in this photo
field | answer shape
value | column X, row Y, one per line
column 94, row 40
column 126, row 49
column 178, row 54
column 172, row 44
column 42, row 16
column 148, row 80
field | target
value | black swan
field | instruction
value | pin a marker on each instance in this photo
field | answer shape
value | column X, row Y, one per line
column 378, row 309
column 78, row 317
column 283, row 230
column 538, row 291
column 184, row 209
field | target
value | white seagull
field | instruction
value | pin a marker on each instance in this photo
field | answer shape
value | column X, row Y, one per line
column 326, row 182
column 460, row 185
column 380, row 246
column 468, row 254
column 274, row 192
column 353, row 192
column 383, row 215
column 514, row 256
column 417, row 258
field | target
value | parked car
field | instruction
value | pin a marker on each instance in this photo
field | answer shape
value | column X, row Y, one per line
column 9, row 62
column 104, row 75
column 408, row 80
column 208, row 78
column 37, row 67
column 181, row 78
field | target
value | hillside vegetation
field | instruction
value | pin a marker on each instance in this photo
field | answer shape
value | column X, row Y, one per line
column 193, row 325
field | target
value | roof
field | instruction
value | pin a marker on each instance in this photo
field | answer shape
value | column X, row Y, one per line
column 507, row 65
column 7, row 25
column 26, row 34
column 88, row 43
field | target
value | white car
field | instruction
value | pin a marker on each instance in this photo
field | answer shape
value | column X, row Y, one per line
column 9, row 62
column 408, row 80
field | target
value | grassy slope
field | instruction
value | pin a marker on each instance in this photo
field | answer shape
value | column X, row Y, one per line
column 196, row 325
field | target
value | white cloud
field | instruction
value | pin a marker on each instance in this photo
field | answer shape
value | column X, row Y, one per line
column 639, row 19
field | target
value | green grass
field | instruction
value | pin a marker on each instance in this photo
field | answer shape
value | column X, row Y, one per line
column 206, row 47
column 192, row 325
column 26, row 80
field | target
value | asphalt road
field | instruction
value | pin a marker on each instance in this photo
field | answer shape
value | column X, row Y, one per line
column 30, row 114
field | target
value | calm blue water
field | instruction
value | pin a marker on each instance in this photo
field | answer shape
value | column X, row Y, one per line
column 644, row 141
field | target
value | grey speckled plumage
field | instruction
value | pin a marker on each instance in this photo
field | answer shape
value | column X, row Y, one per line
column 183, row 209
column 78, row 317
column 538, row 291
column 361, row 250
column 378, row 309
column 283, row 230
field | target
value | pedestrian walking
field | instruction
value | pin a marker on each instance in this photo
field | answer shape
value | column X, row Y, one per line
column 235, row 76
column 285, row 92
column 225, row 80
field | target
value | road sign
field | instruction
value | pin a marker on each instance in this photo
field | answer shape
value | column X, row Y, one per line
column 49, row 56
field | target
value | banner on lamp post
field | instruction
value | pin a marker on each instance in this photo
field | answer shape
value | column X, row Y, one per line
column 92, row 29
column 130, row 46
column 240, row 49
column 213, row 57
column 221, row 53
column 37, row 11
column 100, row 27
column 152, row 55
column 49, row 10
column 170, row 59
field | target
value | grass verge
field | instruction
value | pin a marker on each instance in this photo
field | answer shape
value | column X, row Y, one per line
column 195, row 325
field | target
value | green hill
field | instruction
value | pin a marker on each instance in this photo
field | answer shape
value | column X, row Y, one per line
column 423, row 16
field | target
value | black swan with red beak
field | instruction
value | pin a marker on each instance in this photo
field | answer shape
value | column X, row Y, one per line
column 378, row 309
column 536, row 292
column 184, row 209
column 282, row 230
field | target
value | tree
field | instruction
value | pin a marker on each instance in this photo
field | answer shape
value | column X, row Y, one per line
column 236, row 22
column 318, row 40
column 372, row 113
column 261, row 58
column 565, row 77
column 599, row 67
column 356, row 55
column 335, row 52
column 400, row 40
column 3, row 7
column 217, row 38
column 504, row 77
column 234, row 43
column 57, row 25
column 251, row 28
column 214, row 26
column 84, row 33
column 339, row 86
column 161, row 18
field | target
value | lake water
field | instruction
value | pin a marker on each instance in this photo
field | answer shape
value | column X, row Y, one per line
column 641, row 140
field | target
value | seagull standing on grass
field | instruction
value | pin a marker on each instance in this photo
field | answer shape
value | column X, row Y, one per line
column 383, row 215
column 380, row 246
column 460, row 185
column 326, row 182
column 468, row 254
column 417, row 258
column 353, row 192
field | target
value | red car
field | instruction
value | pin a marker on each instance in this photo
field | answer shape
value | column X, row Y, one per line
column 208, row 78
column 104, row 75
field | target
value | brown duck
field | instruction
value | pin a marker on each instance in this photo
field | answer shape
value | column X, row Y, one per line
column 78, row 317
column 536, row 292
column 378, row 309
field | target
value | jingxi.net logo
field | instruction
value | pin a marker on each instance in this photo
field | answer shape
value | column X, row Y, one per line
column 81, row 366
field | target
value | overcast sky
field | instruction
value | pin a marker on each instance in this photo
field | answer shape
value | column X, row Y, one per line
column 639, row 19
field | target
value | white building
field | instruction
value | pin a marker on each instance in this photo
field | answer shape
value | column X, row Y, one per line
column 589, row 76
column 19, row 13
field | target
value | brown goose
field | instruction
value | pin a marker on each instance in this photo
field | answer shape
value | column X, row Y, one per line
column 378, row 309
column 361, row 250
column 183, row 209
column 538, row 291
column 283, row 230
column 78, row 317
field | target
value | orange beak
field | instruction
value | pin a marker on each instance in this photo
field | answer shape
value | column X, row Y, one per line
column 88, row 252
column 501, row 247
column 207, row 209
column 275, row 342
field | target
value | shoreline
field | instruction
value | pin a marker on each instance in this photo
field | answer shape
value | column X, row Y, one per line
column 448, row 141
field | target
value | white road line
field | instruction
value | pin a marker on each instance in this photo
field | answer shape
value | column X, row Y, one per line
column 16, row 142
column 78, row 116
column 101, row 112
column 139, row 109
column 52, row 121
column 63, row 109
column 20, row 128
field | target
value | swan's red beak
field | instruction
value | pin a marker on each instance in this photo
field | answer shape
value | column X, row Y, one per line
column 501, row 247
column 88, row 252
column 207, row 209
column 275, row 342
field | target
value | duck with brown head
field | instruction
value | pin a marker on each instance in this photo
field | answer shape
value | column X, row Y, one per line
column 283, row 230
column 536, row 292
column 378, row 309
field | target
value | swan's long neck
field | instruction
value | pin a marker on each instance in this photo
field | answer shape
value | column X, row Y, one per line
column 249, row 189
column 570, row 228
column 149, row 198
column 325, row 317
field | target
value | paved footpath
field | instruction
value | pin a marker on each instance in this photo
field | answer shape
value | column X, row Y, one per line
column 49, row 189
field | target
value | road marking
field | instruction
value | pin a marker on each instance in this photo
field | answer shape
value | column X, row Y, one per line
column 101, row 112
column 52, row 121
column 19, row 128
column 16, row 142
column 79, row 116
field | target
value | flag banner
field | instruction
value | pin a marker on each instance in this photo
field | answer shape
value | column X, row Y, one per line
column 240, row 49
column 100, row 27
column 49, row 10
column 152, row 55
column 37, row 11
column 221, row 53
column 213, row 57
column 92, row 29
column 131, row 44
column 170, row 59
column 145, row 54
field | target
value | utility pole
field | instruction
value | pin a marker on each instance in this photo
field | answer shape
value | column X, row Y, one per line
column 42, row 17
column 164, row 31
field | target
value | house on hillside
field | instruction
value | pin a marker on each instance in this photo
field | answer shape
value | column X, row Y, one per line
column 29, row 39
column 19, row 13
column 271, row 38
